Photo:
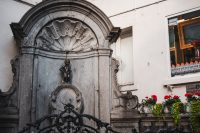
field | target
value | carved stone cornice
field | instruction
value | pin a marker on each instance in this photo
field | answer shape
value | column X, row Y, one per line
column 71, row 54
column 114, row 34
column 18, row 31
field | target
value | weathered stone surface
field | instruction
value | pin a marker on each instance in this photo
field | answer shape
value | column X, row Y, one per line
column 126, row 125
column 9, row 120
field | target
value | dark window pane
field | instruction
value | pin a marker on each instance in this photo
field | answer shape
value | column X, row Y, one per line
column 189, row 55
column 173, row 58
column 171, row 37
column 191, row 32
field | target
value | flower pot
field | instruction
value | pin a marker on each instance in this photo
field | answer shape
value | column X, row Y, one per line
column 187, row 108
column 167, row 110
column 147, row 110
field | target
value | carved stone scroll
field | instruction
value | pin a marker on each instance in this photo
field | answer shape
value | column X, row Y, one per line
column 66, row 35
column 127, row 101
column 6, row 98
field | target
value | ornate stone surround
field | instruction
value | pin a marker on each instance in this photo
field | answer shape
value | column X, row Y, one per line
column 63, row 95
column 44, row 35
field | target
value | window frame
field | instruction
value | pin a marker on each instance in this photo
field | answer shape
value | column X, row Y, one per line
column 170, row 49
column 183, row 44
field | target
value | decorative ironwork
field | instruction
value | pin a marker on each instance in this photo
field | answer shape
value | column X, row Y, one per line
column 68, row 121
column 64, row 94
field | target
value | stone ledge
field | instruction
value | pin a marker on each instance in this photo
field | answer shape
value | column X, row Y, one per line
column 149, row 122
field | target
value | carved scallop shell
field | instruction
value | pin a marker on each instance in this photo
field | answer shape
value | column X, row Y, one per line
column 66, row 35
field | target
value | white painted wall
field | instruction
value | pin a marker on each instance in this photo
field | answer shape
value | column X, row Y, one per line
column 151, row 60
column 112, row 7
column 151, row 47
column 142, row 3
column 10, row 11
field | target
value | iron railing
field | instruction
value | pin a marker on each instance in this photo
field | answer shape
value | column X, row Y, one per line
column 68, row 121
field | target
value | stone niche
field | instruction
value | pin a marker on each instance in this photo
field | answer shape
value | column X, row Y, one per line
column 47, row 35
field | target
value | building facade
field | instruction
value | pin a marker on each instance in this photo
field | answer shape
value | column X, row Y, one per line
column 143, row 50
column 157, row 50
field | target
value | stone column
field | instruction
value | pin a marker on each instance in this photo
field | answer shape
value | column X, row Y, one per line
column 25, row 89
column 104, row 84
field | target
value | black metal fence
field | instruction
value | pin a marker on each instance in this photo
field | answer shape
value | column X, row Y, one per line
column 68, row 121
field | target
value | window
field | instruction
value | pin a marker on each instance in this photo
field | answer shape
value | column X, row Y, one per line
column 123, row 52
column 184, row 43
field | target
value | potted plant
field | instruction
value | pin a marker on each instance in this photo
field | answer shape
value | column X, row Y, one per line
column 158, row 109
column 195, row 115
column 177, row 109
column 169, row 101
column 190, row 97
column 149, row 102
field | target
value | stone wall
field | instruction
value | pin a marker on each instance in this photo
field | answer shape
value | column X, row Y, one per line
column 144, row 123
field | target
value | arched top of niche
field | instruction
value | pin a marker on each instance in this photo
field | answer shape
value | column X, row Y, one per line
column 66, row 35
column 27, row 30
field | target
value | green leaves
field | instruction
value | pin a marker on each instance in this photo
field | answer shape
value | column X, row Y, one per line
column 158, row 109
column 195, row 115
column 176, row 111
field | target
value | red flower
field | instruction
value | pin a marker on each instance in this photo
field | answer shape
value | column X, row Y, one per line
column 149, row 101
column 154, row 97
column 167, row 97
column 188, row 95
column 176, row 97
column 197, row 93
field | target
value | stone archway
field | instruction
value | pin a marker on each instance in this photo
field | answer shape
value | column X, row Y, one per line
column 44, row 35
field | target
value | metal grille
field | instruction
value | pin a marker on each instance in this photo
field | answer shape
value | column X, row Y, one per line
column 68, row 121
